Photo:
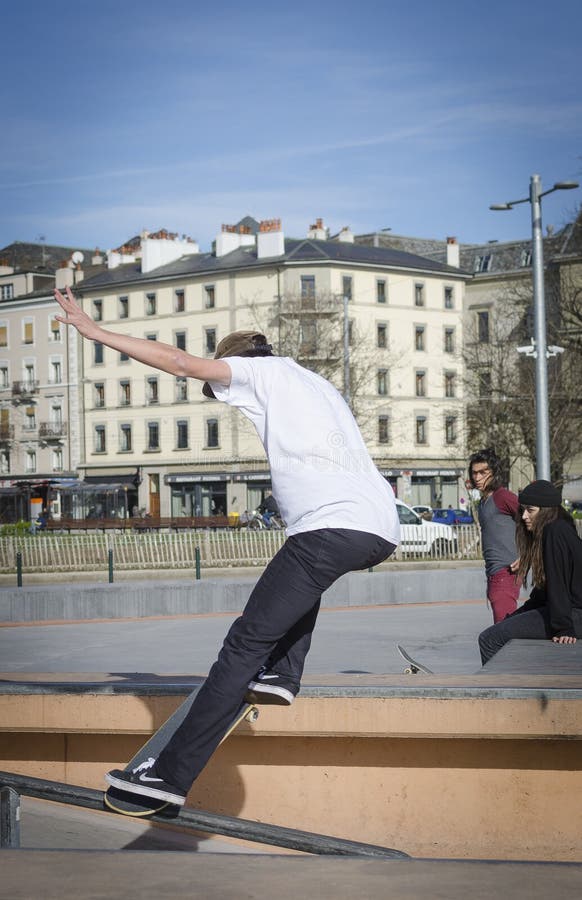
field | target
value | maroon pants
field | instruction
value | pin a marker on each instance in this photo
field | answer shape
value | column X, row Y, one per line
column 503, row 592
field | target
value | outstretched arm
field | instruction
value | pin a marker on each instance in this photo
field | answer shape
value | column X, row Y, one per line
column 153, row 353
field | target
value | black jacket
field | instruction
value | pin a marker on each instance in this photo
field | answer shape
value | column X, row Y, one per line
column 562, row 552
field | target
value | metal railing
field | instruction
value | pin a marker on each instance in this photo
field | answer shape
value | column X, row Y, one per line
column 217, row 548
column 13, row 785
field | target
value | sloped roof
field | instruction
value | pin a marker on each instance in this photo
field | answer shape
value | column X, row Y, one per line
column 42, row 258
column 296, row 251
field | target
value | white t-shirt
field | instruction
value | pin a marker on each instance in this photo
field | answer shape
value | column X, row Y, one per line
column 321, row 471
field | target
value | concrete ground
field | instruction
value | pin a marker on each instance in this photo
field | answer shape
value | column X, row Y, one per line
column 351, row 639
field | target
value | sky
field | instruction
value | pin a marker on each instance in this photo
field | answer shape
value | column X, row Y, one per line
column 119, row 117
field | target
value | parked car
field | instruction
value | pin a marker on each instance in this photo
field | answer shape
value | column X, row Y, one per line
column 424, row 511
column 444, row 516
column 463, row 517
column 419, row 536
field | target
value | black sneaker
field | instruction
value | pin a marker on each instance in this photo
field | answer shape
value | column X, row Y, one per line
column 145, row 780
column 270, row 687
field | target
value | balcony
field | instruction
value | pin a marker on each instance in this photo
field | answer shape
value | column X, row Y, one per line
column 6, row 433
column 52, row 431
column 24, row 388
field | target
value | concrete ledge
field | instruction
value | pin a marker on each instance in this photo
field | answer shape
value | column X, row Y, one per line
column 484, row 766
column 78, row 601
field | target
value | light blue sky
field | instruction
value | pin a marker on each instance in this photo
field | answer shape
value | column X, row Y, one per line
column 184, row 115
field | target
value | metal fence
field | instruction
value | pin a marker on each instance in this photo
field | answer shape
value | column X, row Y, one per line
column 49, row 552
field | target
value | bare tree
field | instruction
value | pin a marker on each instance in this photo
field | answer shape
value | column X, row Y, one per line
column 502, row 384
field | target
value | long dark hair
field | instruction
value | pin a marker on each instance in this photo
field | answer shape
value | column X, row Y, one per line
column 529, row 543
column 489, row 456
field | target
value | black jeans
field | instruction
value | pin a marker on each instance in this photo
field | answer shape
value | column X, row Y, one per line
column 534, row 624
column 275, row 627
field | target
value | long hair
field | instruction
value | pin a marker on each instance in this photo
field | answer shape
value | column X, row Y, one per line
column 529, row 543
column 489, row 456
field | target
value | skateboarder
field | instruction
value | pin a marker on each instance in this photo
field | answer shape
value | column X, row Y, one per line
column 497, row 512
column 552, row 551
column 339, row 512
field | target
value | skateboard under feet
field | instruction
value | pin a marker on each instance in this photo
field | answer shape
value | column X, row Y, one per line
column 128, row 804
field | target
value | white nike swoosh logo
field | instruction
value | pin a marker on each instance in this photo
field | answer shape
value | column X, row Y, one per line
column 265, row 677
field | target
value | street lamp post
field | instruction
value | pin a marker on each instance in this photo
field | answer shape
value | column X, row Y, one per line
column 539, row 339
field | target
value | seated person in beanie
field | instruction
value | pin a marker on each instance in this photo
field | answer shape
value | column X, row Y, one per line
column 340, row 515
column 551, row 550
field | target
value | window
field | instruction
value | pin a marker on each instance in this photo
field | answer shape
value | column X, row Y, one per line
column 30, row 461
column 449, row 340
column 151, row 336
column 30, row 418
column 482, row 263
column 451, row 429
column 152, row 392
column 123, row 307
column 4, row 462
column 419, row 294
column 382, row 336
column 525, row 257
column 3, row 335
column 450, row 384
column 97, row 310
column 449, row 298
column 347, row 287
column 97, row 353
column 181, row 390
column 179, row 301
column 307, row 338
column 182, row 434
column 484, row 384
column 4, row 377
column 6, row 291
column 419, row 342
column 421, row 429
column 29, row 376
column 28, row 337
column 56, row 418
column 99, row 394
column 383, row 429
column 56, row 372
column 57, row 459
column 212, row 432
column 99, row 437
column 123, row 357
column 210, row 340
column 382, row 381
column 125, row 393
column 308, row 291
column 125, row 438
column 483, row 327
column 153, row 436
column 381, row 291
column 55, row 333
column 150, row 305
column 209, row 296
column 181, row 340
column 420, row 383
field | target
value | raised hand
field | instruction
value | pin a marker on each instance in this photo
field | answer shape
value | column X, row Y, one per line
column 74, row 315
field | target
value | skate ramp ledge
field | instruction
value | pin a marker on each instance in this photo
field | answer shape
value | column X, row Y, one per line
column 379, row 757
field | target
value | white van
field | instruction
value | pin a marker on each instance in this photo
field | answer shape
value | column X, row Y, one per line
column 419, row 536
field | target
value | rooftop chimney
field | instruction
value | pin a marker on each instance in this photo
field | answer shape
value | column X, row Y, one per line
column 232, row 237
column 453, row 254
column 165, row 247
column 346, row 235
column 270, row 239
column 318, row 232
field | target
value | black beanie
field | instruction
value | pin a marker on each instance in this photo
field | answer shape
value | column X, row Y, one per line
column 540, row 493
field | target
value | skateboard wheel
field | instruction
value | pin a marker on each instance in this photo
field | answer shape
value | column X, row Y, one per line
column 252, row 715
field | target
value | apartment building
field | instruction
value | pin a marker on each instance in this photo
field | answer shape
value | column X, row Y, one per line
column 401, row 364
column 39, row 416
